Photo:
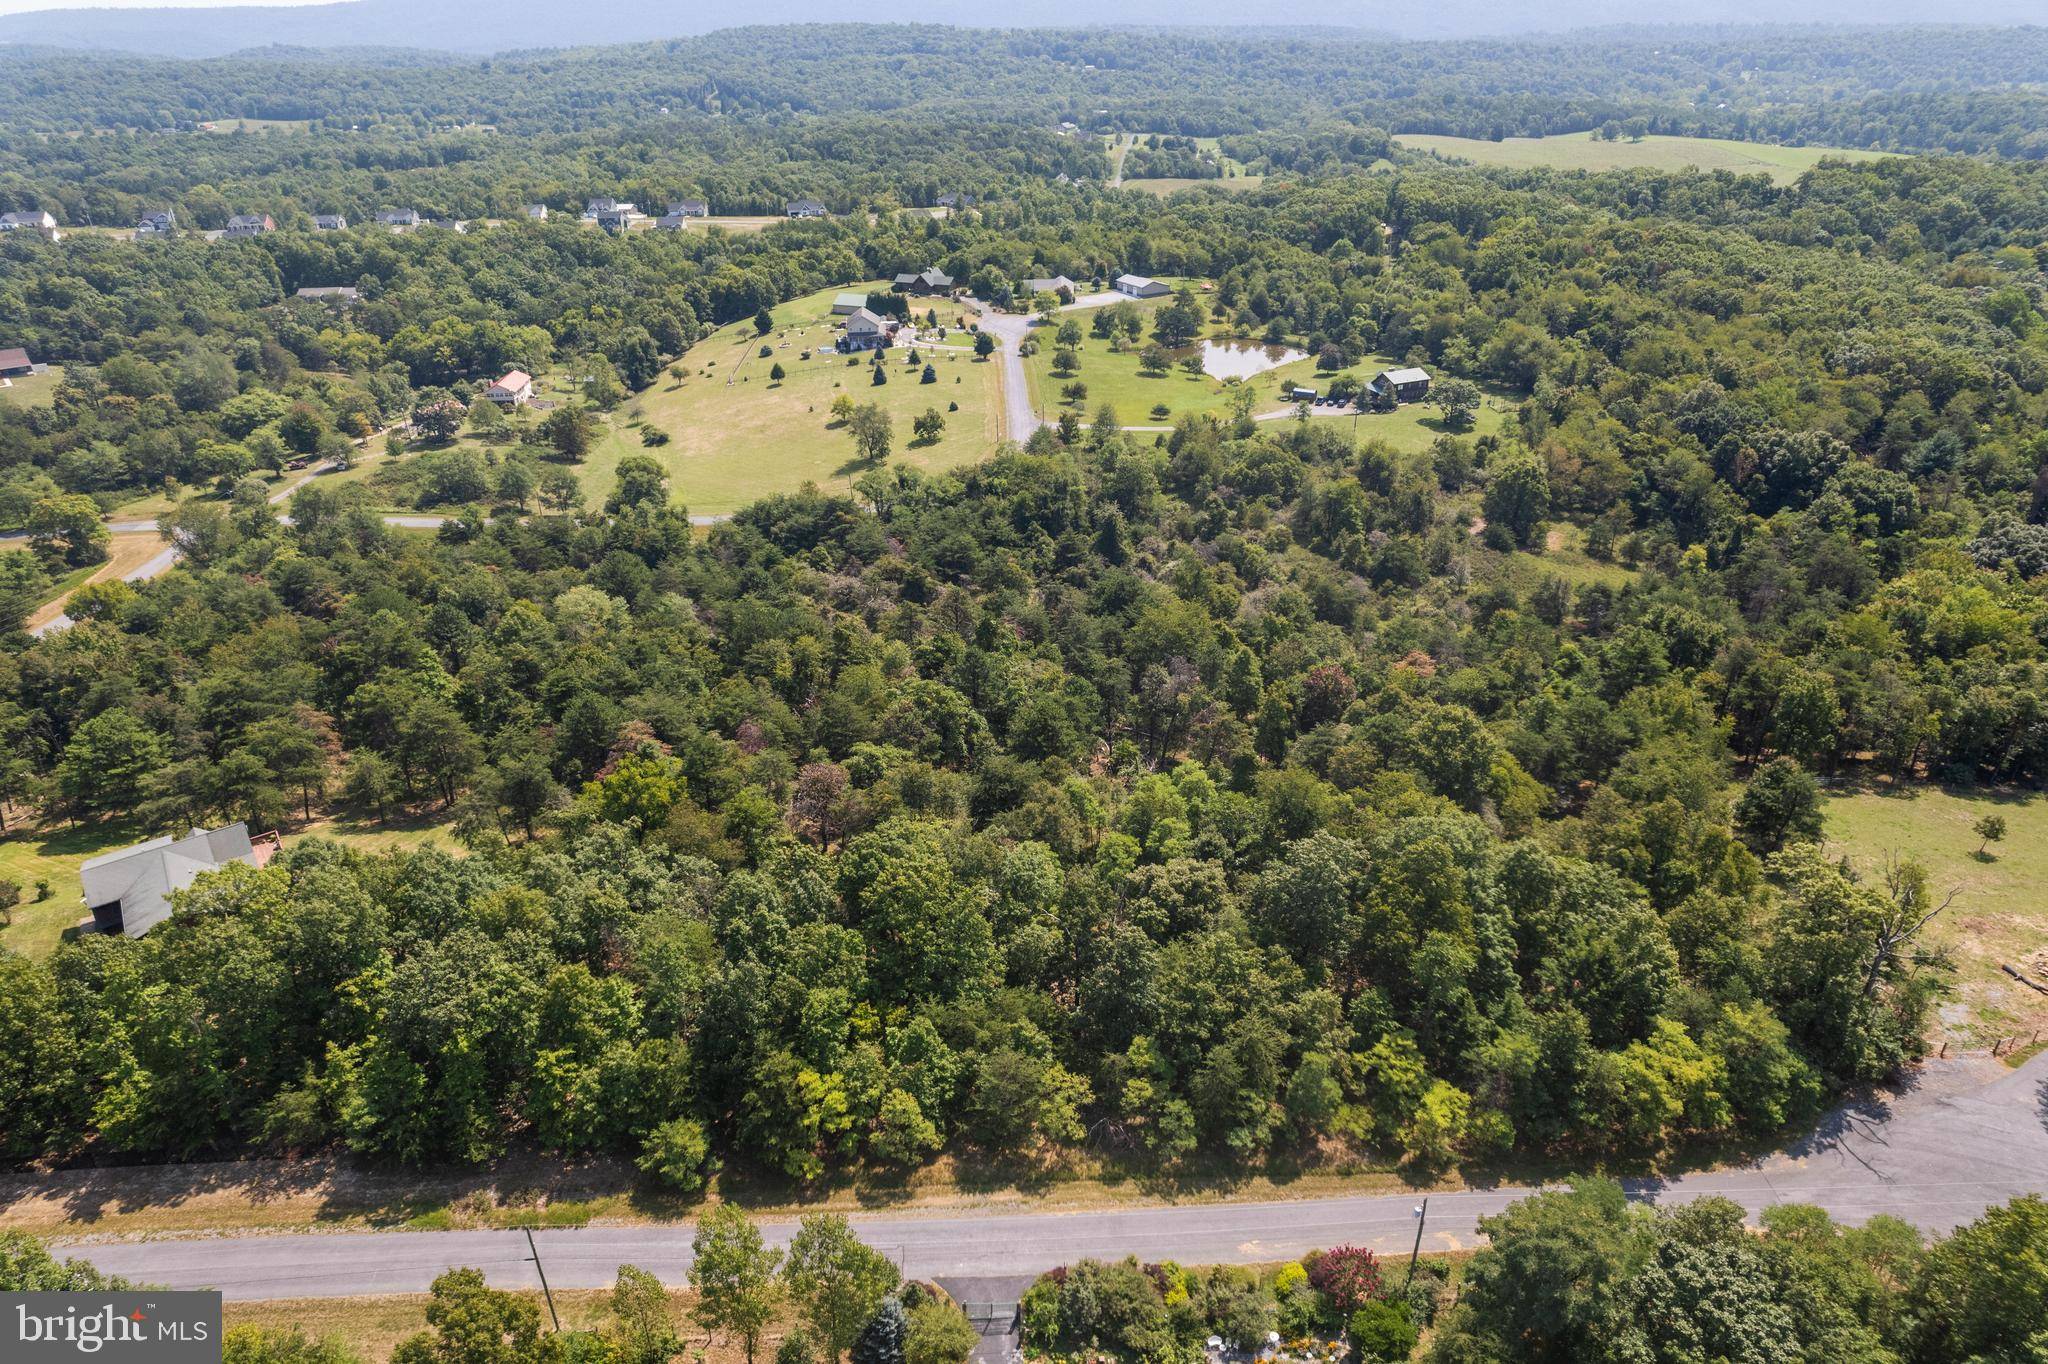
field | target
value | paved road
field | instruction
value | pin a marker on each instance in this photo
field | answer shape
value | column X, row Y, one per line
column 1020, row 419
column 1962, row 1136
column 1009, row 330
column 158, row 565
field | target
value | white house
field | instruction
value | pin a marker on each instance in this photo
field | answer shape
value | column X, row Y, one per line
column 35, row 220
column 864, row 331
column 514, row 390
column 804, row 208
column 1137, row 286
column 129, row 891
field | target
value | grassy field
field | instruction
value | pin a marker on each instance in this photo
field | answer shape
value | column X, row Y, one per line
column 1582, row 151
column 1115, row 378
column 32, row 390
column 736, row 435
column 1999, row 917
column 1562, row 557
column 29, row 854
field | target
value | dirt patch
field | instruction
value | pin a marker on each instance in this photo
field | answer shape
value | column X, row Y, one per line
column 125, row 554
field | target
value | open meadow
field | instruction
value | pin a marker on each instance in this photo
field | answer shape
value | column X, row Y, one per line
column 1583, row 151
column 2000, row 914
column 32, row 390
column 737, row 434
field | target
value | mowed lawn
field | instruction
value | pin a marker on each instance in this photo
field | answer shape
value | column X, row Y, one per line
column 736, row 435
column 1117, row 379
column 1583, row 151
column 2000, row 915
column 32, row 390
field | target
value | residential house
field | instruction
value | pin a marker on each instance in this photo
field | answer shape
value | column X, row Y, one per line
column 250, row 225
column 399, row 217
column 845, row 305
column 329, row 293
column 929, row 281
column 671, row 222
column 514, row 390
column 1137, row 286
column 616, row 220
column 35, row 220
column 598, row 207
column 864, row 331
column 161, row 223
column 446, row 224
column 537, row 212
column 129, row 891
column 329, row 222
column 956, row 201
column 1393, row 386
column 689, row 208
column 14, row 361
column 1053, row 284
column 804, row 208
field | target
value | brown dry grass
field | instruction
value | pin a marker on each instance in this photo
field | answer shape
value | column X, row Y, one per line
column 326, row 1193
column 374, row 1326
column 125, row 554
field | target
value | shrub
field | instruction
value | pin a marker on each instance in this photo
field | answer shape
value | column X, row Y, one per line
column 1382, row 1331
column 1348, row 1276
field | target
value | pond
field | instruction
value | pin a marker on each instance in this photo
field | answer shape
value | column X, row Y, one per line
column 1240, row 359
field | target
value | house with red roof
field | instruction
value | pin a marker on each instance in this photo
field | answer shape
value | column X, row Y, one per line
column 514, row 390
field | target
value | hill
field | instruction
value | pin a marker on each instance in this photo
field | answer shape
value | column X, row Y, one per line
column 213, row 31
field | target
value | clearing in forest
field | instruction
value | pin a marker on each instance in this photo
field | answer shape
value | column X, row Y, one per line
column 1583, row 151
column 1999, row 916
column 737, row 434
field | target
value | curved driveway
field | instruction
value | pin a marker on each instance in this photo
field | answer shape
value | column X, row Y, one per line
column 1962, row 1136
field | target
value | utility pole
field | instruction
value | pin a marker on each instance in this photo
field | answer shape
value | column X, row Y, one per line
column 1421, row 1217
column 548, row 1293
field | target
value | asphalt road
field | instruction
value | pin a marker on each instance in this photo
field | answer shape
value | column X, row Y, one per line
column 1962, row 1136
column 1020, row 419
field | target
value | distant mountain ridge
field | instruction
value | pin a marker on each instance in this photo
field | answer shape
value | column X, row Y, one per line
column 457, row 26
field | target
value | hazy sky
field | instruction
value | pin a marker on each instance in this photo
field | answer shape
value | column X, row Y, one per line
column 21, row 6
